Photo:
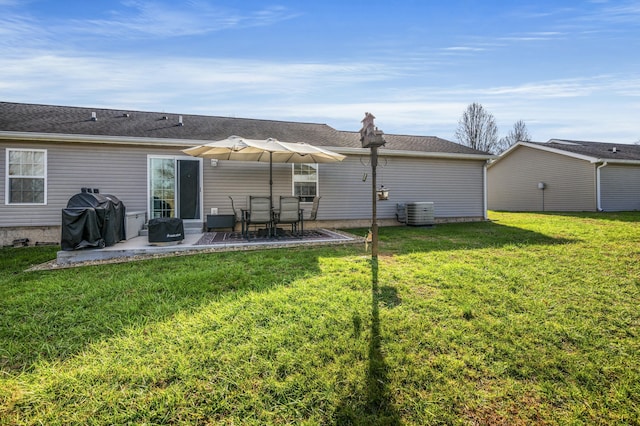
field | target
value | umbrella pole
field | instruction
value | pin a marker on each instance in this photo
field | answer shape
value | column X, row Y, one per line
column 271, row 179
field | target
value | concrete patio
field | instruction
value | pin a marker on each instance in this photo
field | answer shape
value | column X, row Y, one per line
column 140, row 247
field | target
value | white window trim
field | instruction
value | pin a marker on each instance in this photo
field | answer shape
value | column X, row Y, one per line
column 7, row 177
column 293, row 183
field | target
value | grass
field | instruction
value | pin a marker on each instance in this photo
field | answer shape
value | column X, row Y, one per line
column 530, row 318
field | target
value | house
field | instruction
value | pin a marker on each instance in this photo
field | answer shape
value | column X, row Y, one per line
column 565, row 175
column 48, row 153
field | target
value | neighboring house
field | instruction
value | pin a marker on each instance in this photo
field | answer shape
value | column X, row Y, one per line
column 566, row 175
column 48, row 153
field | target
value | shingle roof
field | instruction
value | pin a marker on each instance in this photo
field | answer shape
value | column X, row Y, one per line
column 127, row 123
column 416, row 143
column 19, row 117
column 597, row 150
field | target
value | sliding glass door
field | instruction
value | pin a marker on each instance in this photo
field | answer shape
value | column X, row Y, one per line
column 174, row 187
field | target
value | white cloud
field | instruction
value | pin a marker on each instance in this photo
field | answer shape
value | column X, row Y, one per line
column 464, row 49
column 534, row 36
column 71, row 77
column 18, row 33
column 153, row 19
column 620, row 13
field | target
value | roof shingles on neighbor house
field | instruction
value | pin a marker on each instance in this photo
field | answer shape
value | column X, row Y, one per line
column 596, row 150
column 64, row 120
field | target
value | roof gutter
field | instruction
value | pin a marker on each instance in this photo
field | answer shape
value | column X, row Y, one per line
column 598, row 189
column 121, row 140
column 417, row 154
column 614, row 161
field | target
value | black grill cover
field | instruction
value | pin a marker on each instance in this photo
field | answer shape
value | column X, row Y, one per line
column 92, row 220
column 166, row 229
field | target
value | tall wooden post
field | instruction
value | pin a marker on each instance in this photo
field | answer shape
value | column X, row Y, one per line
column 372, row 138
column 374, row 203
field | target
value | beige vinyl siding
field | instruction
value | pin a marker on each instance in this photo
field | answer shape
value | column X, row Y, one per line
column 455, row 186
column 116, row 170
column 240, row 179
column 620, row 187
column 513, row 182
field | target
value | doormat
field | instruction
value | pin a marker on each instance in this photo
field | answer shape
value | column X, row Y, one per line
column 212, row 238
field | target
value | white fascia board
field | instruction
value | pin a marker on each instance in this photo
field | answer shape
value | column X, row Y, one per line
column 543, row 148
column 559, row 151
column 414, row 154
column 117, row 140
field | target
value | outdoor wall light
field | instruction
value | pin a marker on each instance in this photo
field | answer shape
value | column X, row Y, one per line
column 542, row 186
column 214, row 162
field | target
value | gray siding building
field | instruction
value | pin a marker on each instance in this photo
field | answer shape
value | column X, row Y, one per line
column 565, row 175
column 47, row 153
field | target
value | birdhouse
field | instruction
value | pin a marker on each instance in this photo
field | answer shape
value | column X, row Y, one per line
column 370, row 136
column 383, row 193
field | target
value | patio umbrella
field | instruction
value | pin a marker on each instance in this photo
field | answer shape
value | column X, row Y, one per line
column 271, row 150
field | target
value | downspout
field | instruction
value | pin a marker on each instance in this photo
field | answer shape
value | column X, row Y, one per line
column 484, row 189
column 598, row 190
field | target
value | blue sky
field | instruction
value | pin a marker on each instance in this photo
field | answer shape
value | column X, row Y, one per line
column 569, row 69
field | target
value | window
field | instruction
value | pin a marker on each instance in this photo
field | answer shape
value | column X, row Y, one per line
column 26, row 176
column 305, row 181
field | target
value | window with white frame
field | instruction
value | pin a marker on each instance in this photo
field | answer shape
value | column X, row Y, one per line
column 26, row 180
column 305, row 181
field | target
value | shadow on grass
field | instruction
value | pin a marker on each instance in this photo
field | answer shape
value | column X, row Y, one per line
column 630, row 216
column 54, row 315
column 458, row 236
column 375, row 406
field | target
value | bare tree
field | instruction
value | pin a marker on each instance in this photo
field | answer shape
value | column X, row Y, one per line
column 478, row 129
column 518, row 133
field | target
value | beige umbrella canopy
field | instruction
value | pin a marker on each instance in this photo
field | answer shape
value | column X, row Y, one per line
column 232, row 148
column 271, row 150
column 300, row 152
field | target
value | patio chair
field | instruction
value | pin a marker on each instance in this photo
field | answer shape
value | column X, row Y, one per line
column 239, row 218
column 290, row 213
column 314, row 208
column 259, row 213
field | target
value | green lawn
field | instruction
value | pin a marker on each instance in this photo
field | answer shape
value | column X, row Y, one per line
column 530, row 318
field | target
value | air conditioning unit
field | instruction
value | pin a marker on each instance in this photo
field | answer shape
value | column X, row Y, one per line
column 420, row 213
